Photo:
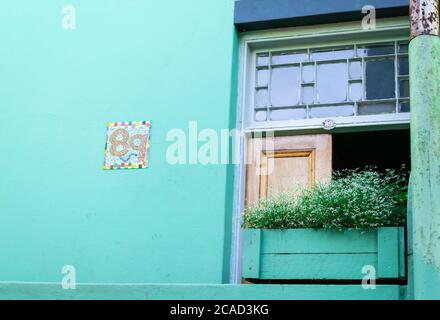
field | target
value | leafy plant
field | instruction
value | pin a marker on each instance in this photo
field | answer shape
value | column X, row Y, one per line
column 354, row 199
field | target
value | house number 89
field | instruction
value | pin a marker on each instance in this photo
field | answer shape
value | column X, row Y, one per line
column 121, row 142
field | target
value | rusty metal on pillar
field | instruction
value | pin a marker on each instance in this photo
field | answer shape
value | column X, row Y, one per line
column 424, row 15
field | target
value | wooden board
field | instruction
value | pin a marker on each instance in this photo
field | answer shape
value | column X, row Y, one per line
column 284, row 164
column 323, row 254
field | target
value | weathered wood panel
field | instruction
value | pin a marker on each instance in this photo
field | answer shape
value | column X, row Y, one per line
column 318, row 241
column 323, row 254
column 251, row 255
column 315, row 266
column 388, row 253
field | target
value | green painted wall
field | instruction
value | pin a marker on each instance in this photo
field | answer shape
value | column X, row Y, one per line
column 165, row 61
column 424, row 53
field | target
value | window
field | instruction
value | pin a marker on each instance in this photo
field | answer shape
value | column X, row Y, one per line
column 348, row 81
column 291, row 81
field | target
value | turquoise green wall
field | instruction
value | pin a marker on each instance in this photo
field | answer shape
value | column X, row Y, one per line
column 164, row 61
column 424, row 54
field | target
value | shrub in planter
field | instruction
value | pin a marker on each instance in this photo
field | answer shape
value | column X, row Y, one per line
column 331, row 231
column 354, row 199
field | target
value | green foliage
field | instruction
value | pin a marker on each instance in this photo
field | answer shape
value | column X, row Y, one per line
column 355, row 199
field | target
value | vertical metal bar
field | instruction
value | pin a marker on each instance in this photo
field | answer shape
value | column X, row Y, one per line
column 362, row 79
column 315, row 83
column 364, row 83
column 347, row 97
column 396, row 77
column 315, row 87
column 269, row 88
column 300, row 96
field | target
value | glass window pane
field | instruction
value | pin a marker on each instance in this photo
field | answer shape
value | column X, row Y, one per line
column 380, row 79
column 261, row 98
column 332, row 111
column 260, row 116
column 356, row 91
column 356, row 70
column 308, row 73
column 375, row 50
column 332, row 82
column 332, row 54
column 403, row 48
column 377, row 108
column 404, row 88
column 262, row 77
column 403, row 66
column 289, row 57
column 308, row 94
column 288, row 114
column 404, row 106
column 263, row 59
column 285, row 86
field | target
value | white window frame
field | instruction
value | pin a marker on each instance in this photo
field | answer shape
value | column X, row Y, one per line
column 392, row 29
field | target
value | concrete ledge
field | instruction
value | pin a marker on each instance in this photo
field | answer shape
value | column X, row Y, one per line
column 53, row 291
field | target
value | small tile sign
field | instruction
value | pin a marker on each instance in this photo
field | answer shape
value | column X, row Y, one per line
column 127, row 145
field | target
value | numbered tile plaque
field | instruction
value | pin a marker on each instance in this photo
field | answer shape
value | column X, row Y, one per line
column 127, row 145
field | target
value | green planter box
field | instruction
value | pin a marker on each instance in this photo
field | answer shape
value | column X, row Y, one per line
column 298, row 254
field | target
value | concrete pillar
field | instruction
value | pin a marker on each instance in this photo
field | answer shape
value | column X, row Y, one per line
column 424, row 55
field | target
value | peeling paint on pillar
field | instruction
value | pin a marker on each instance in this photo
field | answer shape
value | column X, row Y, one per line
column 424, row 53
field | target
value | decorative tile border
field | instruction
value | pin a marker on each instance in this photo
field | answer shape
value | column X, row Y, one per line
column 128, row 145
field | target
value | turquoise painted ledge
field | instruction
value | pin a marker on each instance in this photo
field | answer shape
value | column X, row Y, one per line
column 54, row 291
column 314, row 254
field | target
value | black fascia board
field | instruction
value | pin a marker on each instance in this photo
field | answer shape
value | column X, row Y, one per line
column 266, row 14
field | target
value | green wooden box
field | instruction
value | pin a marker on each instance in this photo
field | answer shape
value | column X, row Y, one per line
column 313, row 254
